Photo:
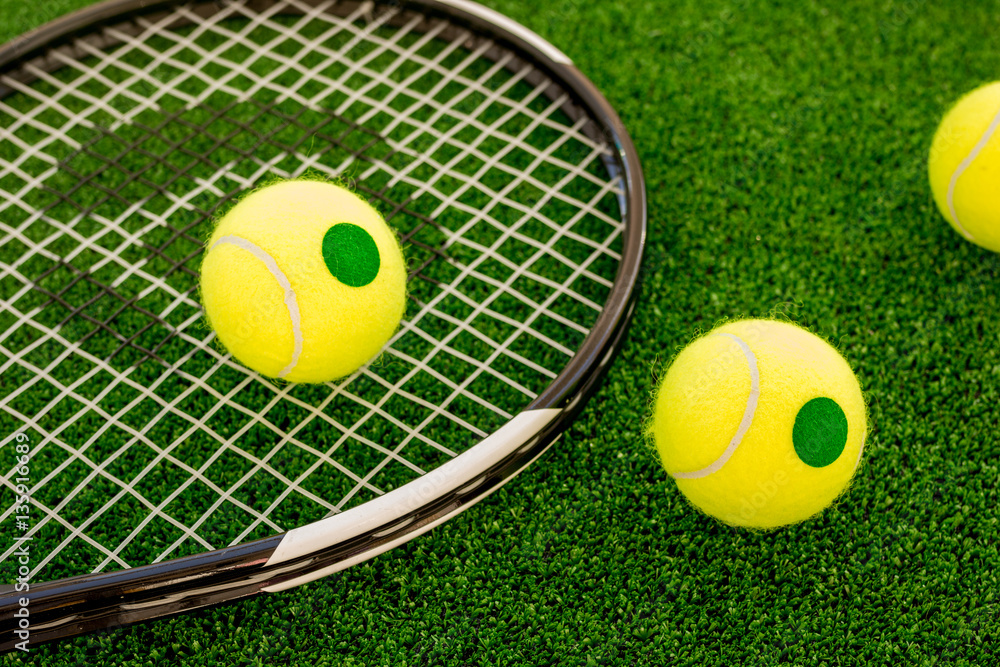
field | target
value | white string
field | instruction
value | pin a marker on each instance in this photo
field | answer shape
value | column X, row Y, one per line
column 438, row 108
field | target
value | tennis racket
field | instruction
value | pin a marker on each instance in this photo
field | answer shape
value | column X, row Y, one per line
column 145, row 471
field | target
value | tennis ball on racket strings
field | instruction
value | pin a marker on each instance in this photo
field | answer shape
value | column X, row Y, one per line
column 964, row 166
column 761, row 423
column 303, row 280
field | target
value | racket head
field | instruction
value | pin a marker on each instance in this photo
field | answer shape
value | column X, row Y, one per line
column 513, row 435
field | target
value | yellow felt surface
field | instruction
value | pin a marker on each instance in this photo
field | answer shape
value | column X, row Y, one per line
column 702, row 399
column 245, row 305
column 977, row 190
column 342, row 326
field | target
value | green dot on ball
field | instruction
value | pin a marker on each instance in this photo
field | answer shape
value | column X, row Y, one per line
column 820, row 432
column 350, row 254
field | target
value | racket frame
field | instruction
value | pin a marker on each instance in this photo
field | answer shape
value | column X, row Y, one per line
column 102, row 601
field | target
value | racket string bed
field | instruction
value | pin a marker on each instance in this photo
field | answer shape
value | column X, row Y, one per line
column 515, row 193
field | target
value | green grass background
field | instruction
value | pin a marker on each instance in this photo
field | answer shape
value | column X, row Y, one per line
column 784, row 146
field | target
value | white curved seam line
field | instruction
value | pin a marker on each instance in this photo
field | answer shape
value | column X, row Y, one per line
column 290, row 302
column 748, row 413
column 962, row 166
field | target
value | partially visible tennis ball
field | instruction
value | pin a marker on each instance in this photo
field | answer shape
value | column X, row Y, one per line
column 965, row 166
column 761, row 423
column 303, row 280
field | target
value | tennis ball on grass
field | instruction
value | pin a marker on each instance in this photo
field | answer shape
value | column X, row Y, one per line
column 964, row 166
column 303, row 280
column 761, row 423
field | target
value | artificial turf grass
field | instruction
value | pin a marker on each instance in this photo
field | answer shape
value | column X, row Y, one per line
column 808, row 130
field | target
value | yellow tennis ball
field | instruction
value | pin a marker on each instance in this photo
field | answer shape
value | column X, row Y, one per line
column 964, row 166
column 761, row 423
column 303, row 280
